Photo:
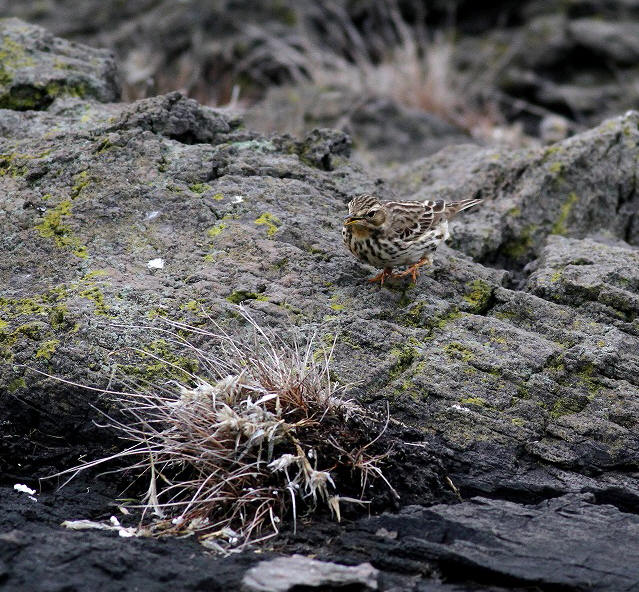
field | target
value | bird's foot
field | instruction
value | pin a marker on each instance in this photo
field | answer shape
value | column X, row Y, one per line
column 382, row 276
column 413, row 269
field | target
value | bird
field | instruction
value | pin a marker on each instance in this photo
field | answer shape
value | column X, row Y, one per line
column 387, row 234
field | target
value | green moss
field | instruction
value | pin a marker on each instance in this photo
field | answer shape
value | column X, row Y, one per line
column 586, row 377
column 413, row 317
column 52, row 226
column 555, row 277
column 519, row 247
column 156, row 312
column 16, row 384
column 272, row 223
column 218, row 197
column 337, row 304
column 81, row 180
column 518, row 421
column 556, row 167
column 95, row 295
column 479, row 295
column 404, row 357
column 552, row 151
column 474, row 401
column 104, row 146
column 60, row 88
column 57, row 316
column 9, row 166
column 457, row 350
column 159, row 363
column 441, row 321
column 30, row 330
column 199, row 187
column 565, row 406
column 12, row 57
column 238, row 296
column 283, row 13
column 191, row 305
column 34, row 96
column 559, row 227
column 496, row 338
column 216, row 230
column 47, row 349
column 96, row 273
column 28, row 306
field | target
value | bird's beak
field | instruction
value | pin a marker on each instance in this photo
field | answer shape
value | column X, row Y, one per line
column 351, row 220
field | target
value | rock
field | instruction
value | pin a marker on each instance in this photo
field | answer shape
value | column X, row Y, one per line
column 600, row 279
column 289, row 573
column 580, row 186
column 509, row 544
column 613, row 41
column 383, row 131
column 509, row 370
column 524, row 60
column 37, row 67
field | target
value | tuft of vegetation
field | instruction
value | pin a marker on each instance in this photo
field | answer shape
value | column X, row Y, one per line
column 232, row 455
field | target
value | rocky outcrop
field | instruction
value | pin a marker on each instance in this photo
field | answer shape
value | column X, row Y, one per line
column 512, row 364
column 36, row 68
column 531, row 59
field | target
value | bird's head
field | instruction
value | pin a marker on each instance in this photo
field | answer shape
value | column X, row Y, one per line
column 365, row 212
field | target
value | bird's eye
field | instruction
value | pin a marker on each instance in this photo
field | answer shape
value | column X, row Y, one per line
column 370, row 214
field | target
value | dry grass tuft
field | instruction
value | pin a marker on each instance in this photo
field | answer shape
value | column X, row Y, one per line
column 264, row 436
column 406, row 63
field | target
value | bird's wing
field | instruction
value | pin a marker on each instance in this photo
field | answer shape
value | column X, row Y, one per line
column 412, row 219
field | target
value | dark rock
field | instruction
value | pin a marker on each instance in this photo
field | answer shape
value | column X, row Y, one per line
column 549, row 545
column 178, row 118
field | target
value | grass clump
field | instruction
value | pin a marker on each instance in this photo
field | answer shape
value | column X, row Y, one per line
column 261, row 436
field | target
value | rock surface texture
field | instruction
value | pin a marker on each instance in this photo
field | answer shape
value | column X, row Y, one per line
column 514, row 361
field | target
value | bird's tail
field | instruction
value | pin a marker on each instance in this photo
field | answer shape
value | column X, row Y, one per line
column 452, row 209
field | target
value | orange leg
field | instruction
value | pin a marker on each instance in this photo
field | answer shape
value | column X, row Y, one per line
column 412, row 270
column 382, row 275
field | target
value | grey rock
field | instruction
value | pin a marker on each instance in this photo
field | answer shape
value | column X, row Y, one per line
column 37, row 67
column 512, row 365
column 550, row 544
column 597, row 278
column 383, row 131
column 615, row 41
column 289, row 573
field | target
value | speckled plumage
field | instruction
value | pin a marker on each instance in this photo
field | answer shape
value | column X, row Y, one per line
column 393, row 233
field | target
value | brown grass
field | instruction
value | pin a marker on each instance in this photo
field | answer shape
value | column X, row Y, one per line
column 265, row 435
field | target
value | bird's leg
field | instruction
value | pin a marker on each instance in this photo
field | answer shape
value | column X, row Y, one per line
column 412, row 270
column 382, row 275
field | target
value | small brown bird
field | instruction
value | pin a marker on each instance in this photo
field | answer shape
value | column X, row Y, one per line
column 390, row 233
